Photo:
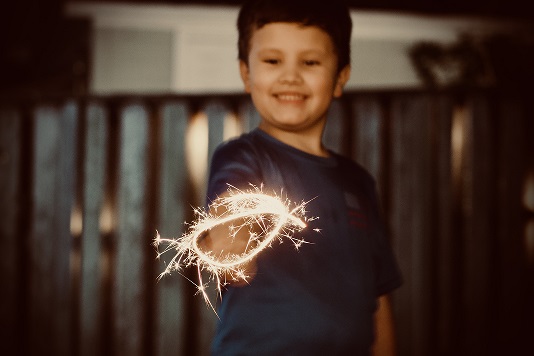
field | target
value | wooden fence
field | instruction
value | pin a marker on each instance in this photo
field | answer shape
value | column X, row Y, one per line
column 85, row 183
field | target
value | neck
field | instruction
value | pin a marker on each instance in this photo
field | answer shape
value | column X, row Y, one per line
column 309, row 142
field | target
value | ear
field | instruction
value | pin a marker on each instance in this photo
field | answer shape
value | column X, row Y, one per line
column 245, row 75
column 342, row 79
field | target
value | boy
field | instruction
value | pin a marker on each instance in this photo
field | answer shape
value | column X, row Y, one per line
column 322, row 299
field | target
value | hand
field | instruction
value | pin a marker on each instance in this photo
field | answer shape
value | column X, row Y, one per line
column 230, row 241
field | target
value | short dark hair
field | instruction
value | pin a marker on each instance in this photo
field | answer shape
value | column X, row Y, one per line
column 331, row 16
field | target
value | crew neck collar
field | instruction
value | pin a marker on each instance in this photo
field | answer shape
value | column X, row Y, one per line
column 331, row 160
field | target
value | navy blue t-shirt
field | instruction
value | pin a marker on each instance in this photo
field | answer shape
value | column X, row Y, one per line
column 320, row 299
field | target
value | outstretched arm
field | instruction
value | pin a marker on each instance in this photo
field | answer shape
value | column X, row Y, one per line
column 385, row 340
column 224, row 240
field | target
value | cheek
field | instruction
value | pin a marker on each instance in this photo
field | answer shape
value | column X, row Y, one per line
column 260, row 83
column 323, row 85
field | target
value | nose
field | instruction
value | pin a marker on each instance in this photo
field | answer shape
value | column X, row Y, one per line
column 290, row 74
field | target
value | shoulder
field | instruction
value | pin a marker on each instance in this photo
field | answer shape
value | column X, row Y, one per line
column 355, row 169
column 242, row 147
column 234, row 162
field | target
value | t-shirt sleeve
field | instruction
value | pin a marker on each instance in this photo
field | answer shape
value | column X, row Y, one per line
column 387, row 273
column 233, row 165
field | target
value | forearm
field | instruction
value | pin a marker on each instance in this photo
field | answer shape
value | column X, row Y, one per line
column 225, row 243
column 385, row 339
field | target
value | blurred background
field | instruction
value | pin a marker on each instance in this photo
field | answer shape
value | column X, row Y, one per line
column 109, row 113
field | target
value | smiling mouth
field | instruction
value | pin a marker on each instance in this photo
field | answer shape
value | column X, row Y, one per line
column 290, row 97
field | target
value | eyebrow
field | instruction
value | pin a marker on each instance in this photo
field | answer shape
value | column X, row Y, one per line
column 266, row 51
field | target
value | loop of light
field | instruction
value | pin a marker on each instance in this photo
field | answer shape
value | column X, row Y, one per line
column 274, row 216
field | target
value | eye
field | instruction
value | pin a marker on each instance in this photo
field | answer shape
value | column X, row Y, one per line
column 271, row 61
column 311, row 62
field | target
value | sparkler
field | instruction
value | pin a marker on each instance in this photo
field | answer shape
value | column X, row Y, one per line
column 259, row 217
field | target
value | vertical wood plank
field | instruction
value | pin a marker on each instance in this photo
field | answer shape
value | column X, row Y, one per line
column 94, row 178
column 129, row 284
column 249, row 116
column 479, row 226
column 513, row 323
column 50, row 240
column 10, row 126
column 173, row 191
column 216, row 112
column 47, row 134
column 410, row 219
column 66, row 191
column 368, row 137
column 446, row 255
column 334, row 132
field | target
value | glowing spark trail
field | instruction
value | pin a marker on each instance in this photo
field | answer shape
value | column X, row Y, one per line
column 262, row 218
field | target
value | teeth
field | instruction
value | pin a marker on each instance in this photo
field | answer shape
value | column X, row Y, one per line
column 290, row 97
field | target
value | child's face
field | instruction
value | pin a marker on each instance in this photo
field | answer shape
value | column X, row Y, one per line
column 292, row 76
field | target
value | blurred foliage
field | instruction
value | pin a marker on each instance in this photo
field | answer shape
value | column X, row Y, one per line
column 460, row 64
column 500, row 60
